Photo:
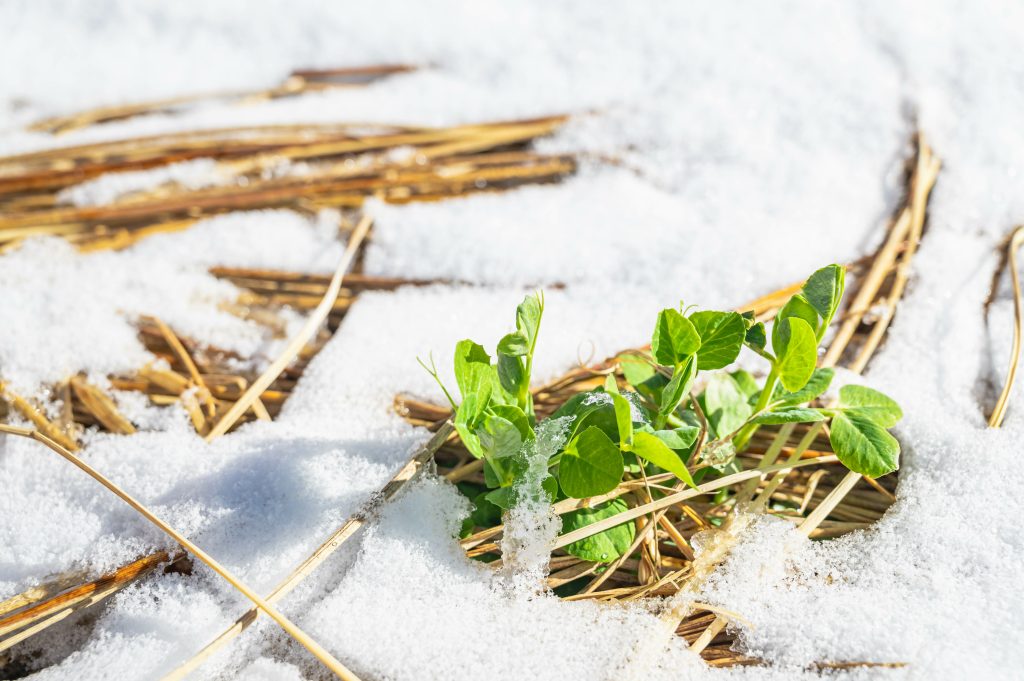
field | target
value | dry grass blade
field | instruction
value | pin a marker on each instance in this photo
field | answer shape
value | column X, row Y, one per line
column 387, row 493
column 296, row 344
column 300, row 81
column 1013, row 246
column 672, row 499
column 101, row 407
column 193, row 371
column 342, row 166
column 37, row 418
column 42, row 614
column 42, row 591
column 304, row 639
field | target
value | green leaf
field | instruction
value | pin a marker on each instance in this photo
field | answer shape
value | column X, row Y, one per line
column 797, row 307
column 511, row 375
column 682, row 437
column 623, row 412
column 748, row 385
column 514, row 345
column 819, row 382
column 824, row 290
column 678, row 387
column 528, row 316
column 756, row 336
column 499, row 437
column 721, row 337
column 636, row 369
column 591, row 464
column 473, row 372
column 674, row 338
column 469, row 438
column 793, row 415
column 796, row 364
column 486, row 513
column 605, row 546
column 517, row 417
column 597, row 413
column 650, row 448
column 726, row 405
column 623, row 419
column 877, row 406
column 864, row 446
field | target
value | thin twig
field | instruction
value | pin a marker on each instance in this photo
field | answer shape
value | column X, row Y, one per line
column 999, row 413
column 295, row 345
column 386, row 493
column 307, row 642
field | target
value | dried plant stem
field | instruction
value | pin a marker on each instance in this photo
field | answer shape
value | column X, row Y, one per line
column 40, row 592
column 295, row 345
column 762, row 499
column 193, row 371
column 999, row 412
column 387, row 493
column 65, row 602
column 100, row 406
column 296, row 83
column 709, row 634
column 671, row 500
column 923, row 180
column 37, row 418
column 312, row 646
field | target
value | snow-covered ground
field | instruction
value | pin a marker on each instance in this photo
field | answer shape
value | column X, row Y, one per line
column 757, row 142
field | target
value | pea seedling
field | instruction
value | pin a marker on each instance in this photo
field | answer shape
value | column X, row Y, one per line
column 658, row 423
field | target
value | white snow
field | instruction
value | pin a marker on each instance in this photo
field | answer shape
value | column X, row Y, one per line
column 64, row 312
column 729, row 150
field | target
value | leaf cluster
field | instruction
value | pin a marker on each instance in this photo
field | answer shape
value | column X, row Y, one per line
column 655, row 421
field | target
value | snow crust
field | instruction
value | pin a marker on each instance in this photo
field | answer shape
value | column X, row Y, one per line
column 65, row 312
column 750, row 145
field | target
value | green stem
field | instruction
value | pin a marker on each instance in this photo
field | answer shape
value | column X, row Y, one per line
column 743, row 437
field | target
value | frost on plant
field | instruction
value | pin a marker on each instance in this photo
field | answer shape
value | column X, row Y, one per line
column 530, row 525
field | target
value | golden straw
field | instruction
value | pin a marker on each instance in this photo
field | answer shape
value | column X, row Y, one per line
column 308, row 643
column 999, row 413
column 296, row 344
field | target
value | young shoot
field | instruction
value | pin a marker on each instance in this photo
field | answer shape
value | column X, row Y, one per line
column 652, row 421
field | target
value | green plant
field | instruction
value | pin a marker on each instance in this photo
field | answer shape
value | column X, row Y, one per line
column 657, row 422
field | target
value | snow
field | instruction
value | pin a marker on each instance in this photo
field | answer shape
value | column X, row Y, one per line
column 65, row 312
column 728, row 150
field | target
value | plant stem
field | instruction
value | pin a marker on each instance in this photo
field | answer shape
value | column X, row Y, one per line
column 743, row 437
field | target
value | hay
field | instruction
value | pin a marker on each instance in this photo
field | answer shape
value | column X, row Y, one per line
column 341, row 165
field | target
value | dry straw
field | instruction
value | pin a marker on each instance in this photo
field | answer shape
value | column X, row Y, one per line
column 295, row 345
column 304, row 639
column 1013, row 245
